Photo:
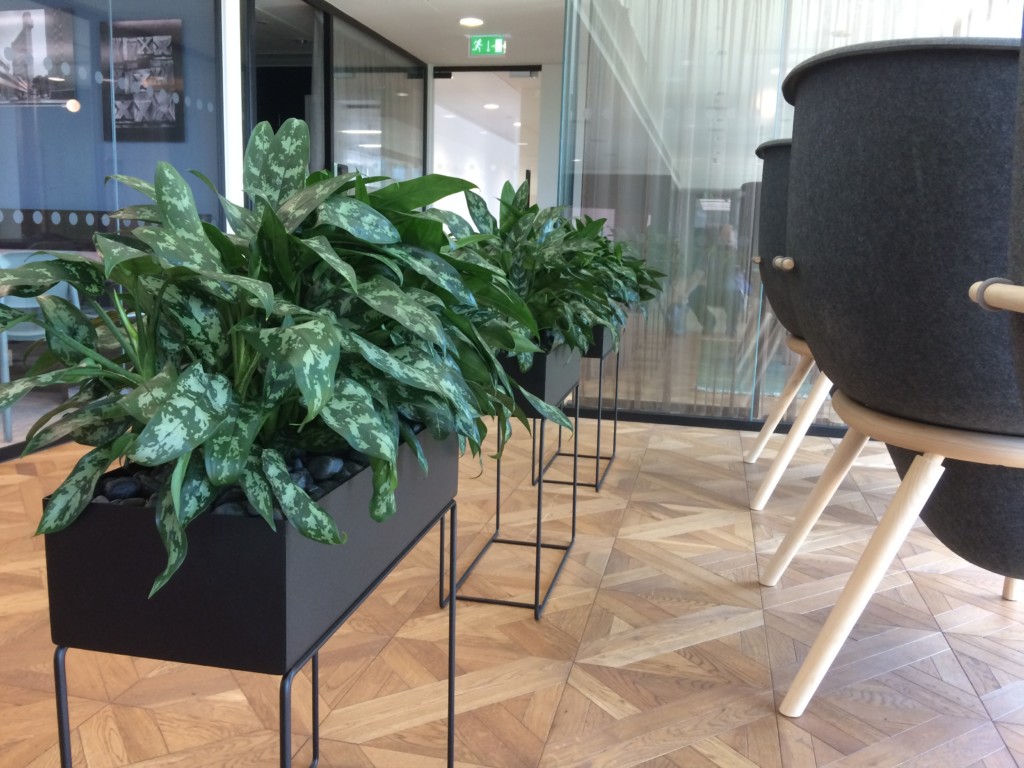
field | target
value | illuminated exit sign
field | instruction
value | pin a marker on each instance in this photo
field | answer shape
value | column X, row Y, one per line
column 487, row 45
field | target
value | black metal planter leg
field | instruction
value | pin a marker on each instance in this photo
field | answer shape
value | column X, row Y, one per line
column 286, row 712
column 452, row 579
column 60, row 679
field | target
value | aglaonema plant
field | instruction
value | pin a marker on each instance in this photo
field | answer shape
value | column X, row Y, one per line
column 325, row 320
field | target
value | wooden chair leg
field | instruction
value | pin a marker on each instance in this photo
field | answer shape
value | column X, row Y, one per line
column 796, row 434
column 892, row 531
column 793, row 384
column 836, row 469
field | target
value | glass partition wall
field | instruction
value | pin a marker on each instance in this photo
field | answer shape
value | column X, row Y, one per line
column 666, row 102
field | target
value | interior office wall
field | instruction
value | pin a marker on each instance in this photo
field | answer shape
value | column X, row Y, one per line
column 669, row 101
column 104, row 87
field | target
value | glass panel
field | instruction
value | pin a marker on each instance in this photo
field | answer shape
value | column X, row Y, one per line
column 671, row 99
column 487, row 130
column 378, row 106
column 93, row 88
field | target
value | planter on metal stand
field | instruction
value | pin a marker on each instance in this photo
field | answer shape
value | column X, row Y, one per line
column 247, row 597
column 552, row 377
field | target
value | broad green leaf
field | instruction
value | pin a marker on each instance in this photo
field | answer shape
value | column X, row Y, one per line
column 300, row 510
column 311, row 349
column 178, row 211
column 256, row 488
column 382, row 361
column 548, row 411
column 63, row 321
column 91, row 418
column 79, row 487
column 410, row 439
column 172, row 534
column 278, row 381
column 115, row 252
column 390, row 300
column 186, row 419
column 457, row 225
column 173, row 249
column 145, row 400
column 285, row 164
column 255, row 154
column 200, row 322
column 358, row 219
column 9, row 317
column 148, row 213
column 418, row 192
column 228, row 449
column 322, row 248
column 240, row 219
column 353, row 414
column 296, row 208
column 481, row 216
column 223, row 285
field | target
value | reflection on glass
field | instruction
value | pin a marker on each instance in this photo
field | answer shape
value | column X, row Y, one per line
column 670, row 101
column 378, row 106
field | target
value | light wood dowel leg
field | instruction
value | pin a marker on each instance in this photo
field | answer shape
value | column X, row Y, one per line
column 836, row 469
column 1011, row 589
column 796, row 433
column 803, row 367
column 892, row 531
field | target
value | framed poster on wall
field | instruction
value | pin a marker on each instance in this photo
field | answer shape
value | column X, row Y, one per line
column 143, row 86
column 37, row 57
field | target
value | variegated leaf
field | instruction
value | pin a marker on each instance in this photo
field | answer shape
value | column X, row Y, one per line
column 186, row 419
column 256, row 488
column 31, row 279
column 353, row 414
column 385, row 481
column 384, row 362
column 311, row 349
column 196, row 491
column 433, row 268
column 223, row 285
column 481, row 216
column 300, row 510
column 240, row 219
column 548, row 411
column 418, row 192
column 65, row 321
column 13, row 391
column 200, row 322
column 228, row 449
column 150, row 213
column 457, row 225
column 67, row 502
column 172, row 534
column 358, row 219
column 322, row 248
column 410, row 439
column 139, row 185
column 390, row 300
column 178, row 209
column 115, row 252
column 296, row 208
column 285, row 163
column 172, row 249
column 278, row 381
column 9, row 317
column 89, row 419
column 255, row 154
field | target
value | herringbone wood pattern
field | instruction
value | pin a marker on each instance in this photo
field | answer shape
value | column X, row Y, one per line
column 658, row 647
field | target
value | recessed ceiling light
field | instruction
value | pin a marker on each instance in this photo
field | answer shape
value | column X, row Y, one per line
column 370, row 146
column 491, row 106
column 471, row 21
column 449, row 117
column 360, row 131
column 523, row 144
column 516, row 124
column 401, row 93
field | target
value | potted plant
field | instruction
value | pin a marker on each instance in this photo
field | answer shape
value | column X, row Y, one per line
column 218, row 366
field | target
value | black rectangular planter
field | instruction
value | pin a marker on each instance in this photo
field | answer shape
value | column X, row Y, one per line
column 246, row 597
column 551, row 377
column 602, row 344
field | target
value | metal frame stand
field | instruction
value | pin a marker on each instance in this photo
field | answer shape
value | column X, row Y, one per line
column 599, row 475
column 539, row 601
column 312, row 655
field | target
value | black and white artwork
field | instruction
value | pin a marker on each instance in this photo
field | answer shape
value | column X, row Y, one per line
column 37, row 57
column 143, row 84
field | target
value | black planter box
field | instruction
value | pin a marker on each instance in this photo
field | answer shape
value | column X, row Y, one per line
column 246, row 597
column 601, row 347
column 551, row 377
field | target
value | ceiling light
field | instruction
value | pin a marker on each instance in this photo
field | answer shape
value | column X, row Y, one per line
column 471, row 21
column 522, row 143
column 361, row 131
column 369, row 146
column 73, row 105
column 449, row 117
column 516, row 124
column 401, row 93
column 491, row 106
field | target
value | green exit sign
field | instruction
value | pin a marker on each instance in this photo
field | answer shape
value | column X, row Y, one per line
column 487, row 45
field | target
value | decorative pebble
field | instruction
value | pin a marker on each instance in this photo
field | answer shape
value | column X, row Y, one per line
column 323, row 467
column 302, row 478
column 233, row 508
column 121, row 487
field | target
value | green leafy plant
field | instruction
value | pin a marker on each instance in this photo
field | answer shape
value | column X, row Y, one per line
column 572, row 277
column 331, row 318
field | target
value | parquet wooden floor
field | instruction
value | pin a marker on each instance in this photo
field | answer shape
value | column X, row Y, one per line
column 658, row 648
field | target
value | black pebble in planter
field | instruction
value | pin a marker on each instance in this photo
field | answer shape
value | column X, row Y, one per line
column 246, row 597
column 898, row 201
column 771, row 232
column 551, row 377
